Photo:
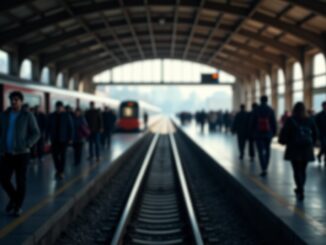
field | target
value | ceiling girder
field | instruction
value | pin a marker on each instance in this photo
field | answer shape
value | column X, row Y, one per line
column 193, row 28
column 254, row 6
column 131, row 27
column 150, row 28
column 12, row 34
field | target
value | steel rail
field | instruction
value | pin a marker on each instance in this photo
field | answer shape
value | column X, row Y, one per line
column 186, row 193
column 133, row 195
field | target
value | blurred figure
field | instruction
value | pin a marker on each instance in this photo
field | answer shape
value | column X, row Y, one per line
column 41, row 122
column 321, row 124
column 286, row 115
column 251, row 136
column 219, row 121
column 95, row 124
column 145, row 119
column 264, row 128
column 69, row 110
column 212, row 118
column 60, row 131
column 18, row 133
column 81, row 133
column 109, row 120
column 202, row 120
column 25, row 107
column 227, row 121
column 240, row 128
column 299, row 134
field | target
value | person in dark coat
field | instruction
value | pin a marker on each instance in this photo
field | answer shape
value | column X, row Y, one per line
column 95, row 124
column 299, row 134
column 251, row 137
column 240, row 128
column 202, row 120
column 41, row 122
column 264, row 128
column 18, row 133
column 227, row 121
column 109, row 120
column 81, row 132
column 321, row 125
column 60, row 131
column 145, row 116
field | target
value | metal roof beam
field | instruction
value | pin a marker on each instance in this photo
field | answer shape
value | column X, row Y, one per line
column 285, row 48
column 150, row 28
column 9, row 5
column 58, row 55
column 132, row 29
column 254, row 6
column 318, row 7
column 246, row 59
column 83, row 23
column 174, row 28
column 211, row 34
column 66, row 64
column 276, row 59
column 115, row 36
column 311, row 37
column 193, row 28
column 9, row 35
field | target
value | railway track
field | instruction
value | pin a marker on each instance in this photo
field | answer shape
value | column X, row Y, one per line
column 166, row 193
column 159, row 209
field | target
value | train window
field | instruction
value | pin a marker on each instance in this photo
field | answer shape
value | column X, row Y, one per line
column 128, row 112
column 26, row 69
column 30, row 99
column 59, row 81
column 4, row 62
column 45, row 75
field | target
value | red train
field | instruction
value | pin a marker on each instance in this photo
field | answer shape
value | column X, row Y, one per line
column 131, row 115
column 46, row 97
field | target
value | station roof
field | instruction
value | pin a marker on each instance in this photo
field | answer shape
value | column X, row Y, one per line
column 89, row 36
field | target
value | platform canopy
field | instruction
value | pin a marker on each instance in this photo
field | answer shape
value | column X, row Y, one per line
column 88, row 36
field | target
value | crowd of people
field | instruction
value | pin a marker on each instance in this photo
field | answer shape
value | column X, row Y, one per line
column 26, row 132
column 300, row 131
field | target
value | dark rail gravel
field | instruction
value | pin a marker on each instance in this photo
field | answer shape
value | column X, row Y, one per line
column 220, row 220
column 99, row 218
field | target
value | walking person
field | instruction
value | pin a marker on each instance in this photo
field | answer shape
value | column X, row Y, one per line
column 18, row 133
column 264, row 128
column 321, row 125
column 109, row 119
column 251, row 137
column 81, row 133
column 240, row 128
column 95, row 124
column 41, row 122
column 299, row 134
column 145, row 119
column 60, row 131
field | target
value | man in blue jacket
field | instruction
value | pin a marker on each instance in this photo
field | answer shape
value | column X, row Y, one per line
column 264, row 128
column 18, row 133
column 60, row 130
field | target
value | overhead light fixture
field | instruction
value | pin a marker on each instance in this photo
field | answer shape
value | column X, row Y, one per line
column 161, row 21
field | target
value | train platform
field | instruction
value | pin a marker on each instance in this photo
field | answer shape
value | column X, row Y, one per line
column 307, row 219
column 47, row 199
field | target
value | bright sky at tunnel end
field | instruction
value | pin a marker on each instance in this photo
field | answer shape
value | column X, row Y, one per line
column 169, row 98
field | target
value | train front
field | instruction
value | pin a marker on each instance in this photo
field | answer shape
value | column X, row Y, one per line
column 129, row 117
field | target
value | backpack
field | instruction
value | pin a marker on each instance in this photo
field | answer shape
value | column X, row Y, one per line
column 263, row 124
column 303, row 135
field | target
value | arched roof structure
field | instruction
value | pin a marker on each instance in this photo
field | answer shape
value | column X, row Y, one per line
column 88, row 36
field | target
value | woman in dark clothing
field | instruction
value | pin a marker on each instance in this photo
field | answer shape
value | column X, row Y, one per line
column 299, row 134
column 81, row 133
